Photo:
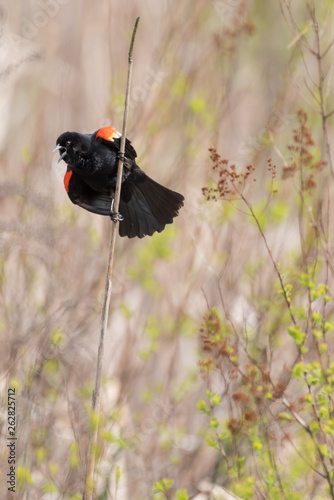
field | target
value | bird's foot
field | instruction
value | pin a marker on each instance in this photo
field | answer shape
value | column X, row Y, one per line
column 115, row 216
column 121, row 156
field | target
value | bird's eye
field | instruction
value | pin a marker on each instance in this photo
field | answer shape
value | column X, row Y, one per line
column 68, row 143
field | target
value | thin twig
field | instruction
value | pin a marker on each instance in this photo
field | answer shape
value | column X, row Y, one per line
column 321, row 456
column 89, row 478
column 279, row 275
column 321, row 95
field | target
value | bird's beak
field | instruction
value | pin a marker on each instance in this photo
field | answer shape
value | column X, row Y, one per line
column 63, row 154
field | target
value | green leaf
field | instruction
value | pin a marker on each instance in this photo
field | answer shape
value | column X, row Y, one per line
column 94, row 419
column 312, row 380
column 197, row 105
column 300, row 313
column 323, row 411
column 216, row 400
column 179, row 85
column 317, row 333
column 41, row 454
column 51, row 366
column 212, row 443
column 323, row 347
column 320, row 291
column 23, row 475
column 234, row 359
column 74, row 455
column 328, row 326
column 240, row 462
column 298, row 370
column 125, row 310
column 152, row 329
column 214, row 422
column 296, row 333
column 322, row 399
column 245, row 489
column 314, row 427
column 182, row 495
column 201, row 406
column 57, row 336
column 329, row 430
column 162, row 485
column 305, row 280
column 49, row 487
column 317, row 318
column 324, row 450
column 308, row 398
column 257, row 445
column 283, row 415
column 14, row 383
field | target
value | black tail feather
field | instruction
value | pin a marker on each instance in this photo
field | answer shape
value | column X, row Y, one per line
column 147, row 207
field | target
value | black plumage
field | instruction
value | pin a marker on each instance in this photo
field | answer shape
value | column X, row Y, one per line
column 90, row 181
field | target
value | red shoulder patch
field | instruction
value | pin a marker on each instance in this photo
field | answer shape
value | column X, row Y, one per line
column 108, row 133
column 67, row 178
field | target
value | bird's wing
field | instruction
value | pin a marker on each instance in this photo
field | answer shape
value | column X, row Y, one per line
column 146, row 206
column 83, row 195
column 111, row 138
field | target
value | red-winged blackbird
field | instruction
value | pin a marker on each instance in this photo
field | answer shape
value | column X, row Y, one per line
column 90, row 182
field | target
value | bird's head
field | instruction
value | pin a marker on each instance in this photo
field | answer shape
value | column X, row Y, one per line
column 72, row 145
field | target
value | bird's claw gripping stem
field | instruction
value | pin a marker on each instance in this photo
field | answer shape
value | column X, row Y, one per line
column 121, row 156
column 115, row 216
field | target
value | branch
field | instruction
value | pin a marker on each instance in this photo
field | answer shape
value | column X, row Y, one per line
column 89, row 476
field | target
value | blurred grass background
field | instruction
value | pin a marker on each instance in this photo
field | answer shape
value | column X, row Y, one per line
column 227, row 74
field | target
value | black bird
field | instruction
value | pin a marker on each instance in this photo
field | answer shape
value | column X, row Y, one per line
column 90, row 182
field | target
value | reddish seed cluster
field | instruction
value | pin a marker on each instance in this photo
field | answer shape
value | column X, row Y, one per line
column 289, row 170
column 233, row 373
column 241, row 398
column 206, row 365
column 309, row 183
column 214, row 344
column 250, row 416
column 319, row 165
column 229, row 178
column 228, row 40
column 271, row 168
column 234, row 425
column 302, row 156
column 232, row 181
column 250, row 399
